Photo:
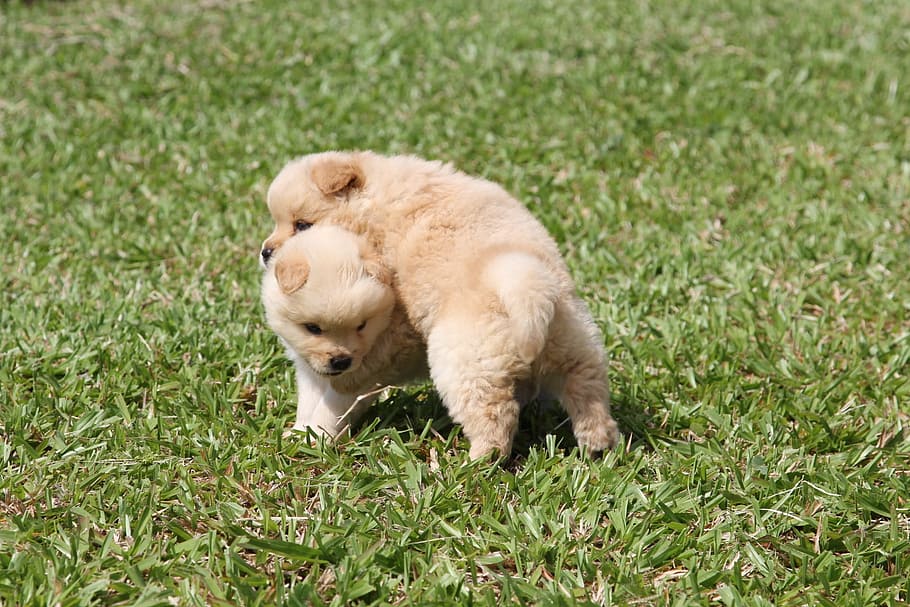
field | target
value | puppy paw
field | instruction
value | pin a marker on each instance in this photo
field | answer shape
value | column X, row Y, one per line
column 481, row 449
column 598, row 437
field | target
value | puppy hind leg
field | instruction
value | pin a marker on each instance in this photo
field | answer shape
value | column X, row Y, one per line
column 476, row 386
column 584, row 391
column 488, row 415
column 586, row 398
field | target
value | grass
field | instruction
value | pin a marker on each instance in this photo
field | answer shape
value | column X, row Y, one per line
column 729, row 181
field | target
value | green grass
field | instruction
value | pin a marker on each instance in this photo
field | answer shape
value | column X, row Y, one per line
column 730, row 182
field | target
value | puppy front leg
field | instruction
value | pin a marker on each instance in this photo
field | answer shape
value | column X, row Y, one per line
column 319, row 407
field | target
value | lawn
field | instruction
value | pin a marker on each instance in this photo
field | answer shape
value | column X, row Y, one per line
column 729, row 182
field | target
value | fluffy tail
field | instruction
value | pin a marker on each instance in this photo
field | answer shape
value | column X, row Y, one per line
column 529, row 293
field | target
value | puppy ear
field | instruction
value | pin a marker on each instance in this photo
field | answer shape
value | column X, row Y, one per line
column 291, row 275
column 337, row 175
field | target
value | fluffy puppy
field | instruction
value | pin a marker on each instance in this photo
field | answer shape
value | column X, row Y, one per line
column 481, row 280
column 329, row 299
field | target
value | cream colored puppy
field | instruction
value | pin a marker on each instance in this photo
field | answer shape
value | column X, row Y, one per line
column 480, row 278
column 330, row 300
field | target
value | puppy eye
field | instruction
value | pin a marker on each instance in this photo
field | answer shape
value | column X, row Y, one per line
column 313, row 328
column 301, row 225
column 362, row 326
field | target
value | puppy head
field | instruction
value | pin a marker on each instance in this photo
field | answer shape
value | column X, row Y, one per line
column 308, row 190
column 328, row 297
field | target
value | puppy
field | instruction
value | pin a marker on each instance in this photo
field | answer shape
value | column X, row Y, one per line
column 329, row 299
column 481, row 280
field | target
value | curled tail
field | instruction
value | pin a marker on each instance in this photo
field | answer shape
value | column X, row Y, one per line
column 528, row 292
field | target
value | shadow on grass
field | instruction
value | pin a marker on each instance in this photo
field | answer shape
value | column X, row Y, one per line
column 412, row 408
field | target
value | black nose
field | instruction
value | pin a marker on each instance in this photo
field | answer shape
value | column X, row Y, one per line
column 266, row 254
column 340, row 363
